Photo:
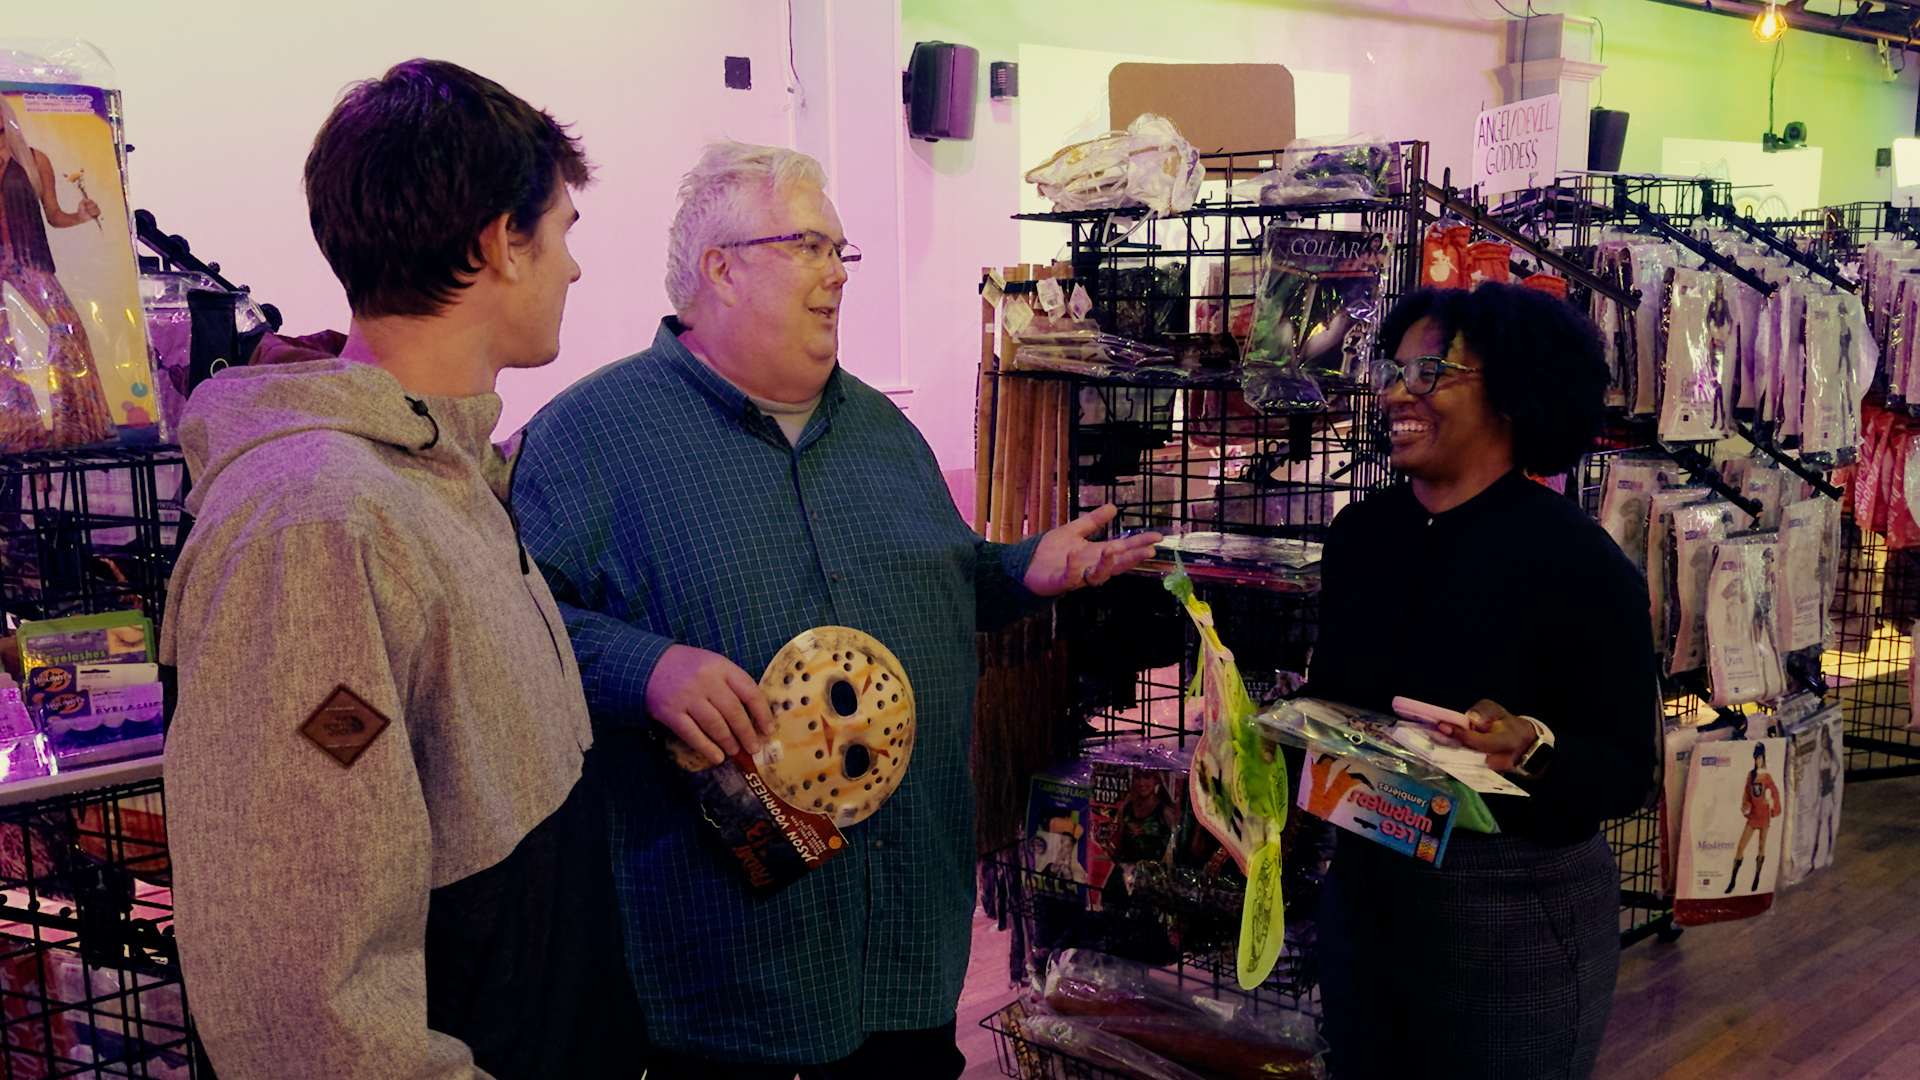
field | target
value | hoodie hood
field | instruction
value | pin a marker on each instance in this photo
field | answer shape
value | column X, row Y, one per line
column 244, row 408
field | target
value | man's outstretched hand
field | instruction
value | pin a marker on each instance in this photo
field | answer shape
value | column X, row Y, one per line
column 1067, row 560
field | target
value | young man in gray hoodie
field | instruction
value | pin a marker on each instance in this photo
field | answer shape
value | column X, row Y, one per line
column 385, row 864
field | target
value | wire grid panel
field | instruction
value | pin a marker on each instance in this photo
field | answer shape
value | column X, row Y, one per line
column 1024, row 1057
column 87, row 531
column 1151, row 278
column 1874, row 608
column 89, row 976
column 1195, row 939
column 1197, row 459
column 1572, row 213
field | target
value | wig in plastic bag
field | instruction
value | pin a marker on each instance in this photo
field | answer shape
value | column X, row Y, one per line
column 1336, row 168
column 1149, row 165
column 1316, row 310
column 1239, row 790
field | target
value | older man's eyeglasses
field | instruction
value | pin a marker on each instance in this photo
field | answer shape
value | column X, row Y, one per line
column 809, row 248
column 1419, row 375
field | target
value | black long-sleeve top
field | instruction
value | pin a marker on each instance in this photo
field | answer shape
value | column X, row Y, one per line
column 1514, row 596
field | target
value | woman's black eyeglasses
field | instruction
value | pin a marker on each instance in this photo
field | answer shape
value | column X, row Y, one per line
column 1419, row 374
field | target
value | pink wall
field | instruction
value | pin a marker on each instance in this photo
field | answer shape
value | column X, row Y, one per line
column 222, row 100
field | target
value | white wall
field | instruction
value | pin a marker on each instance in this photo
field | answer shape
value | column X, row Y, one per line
column 222, row 100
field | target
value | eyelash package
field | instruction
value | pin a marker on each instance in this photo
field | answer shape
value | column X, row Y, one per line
column 1743, row 664
column 1315, row 311
column 1697, row 529
column 1697, row 332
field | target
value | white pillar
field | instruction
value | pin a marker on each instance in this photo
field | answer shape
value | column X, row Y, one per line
column 1553, row 54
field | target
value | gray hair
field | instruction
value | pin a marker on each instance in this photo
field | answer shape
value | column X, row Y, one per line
column 716, row 206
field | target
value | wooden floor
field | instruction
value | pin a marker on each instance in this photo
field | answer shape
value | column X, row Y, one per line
column 1825, row 987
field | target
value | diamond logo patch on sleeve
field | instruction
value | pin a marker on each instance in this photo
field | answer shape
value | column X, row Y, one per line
column 344, row 726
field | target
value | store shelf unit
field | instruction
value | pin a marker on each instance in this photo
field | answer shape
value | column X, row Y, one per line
column 86, row 531
column 1021, row 1056
column 89, row 974
column 1572, row 214
column 1874, row 611
column 1155, row 279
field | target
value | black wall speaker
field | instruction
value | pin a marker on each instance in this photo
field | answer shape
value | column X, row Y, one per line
column 942, row 80
column 1606, row 138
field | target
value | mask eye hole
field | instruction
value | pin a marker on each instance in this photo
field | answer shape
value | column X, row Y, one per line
column 856, row 762
column 844, row 698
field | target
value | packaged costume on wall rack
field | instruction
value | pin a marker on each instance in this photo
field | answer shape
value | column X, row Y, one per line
column 1729, row 845
column 73, row 349
column 1315, row 312
column 1815, row 768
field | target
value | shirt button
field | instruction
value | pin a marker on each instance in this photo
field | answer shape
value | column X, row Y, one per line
column 816, row 515
column 833, row 577
column 879, row 843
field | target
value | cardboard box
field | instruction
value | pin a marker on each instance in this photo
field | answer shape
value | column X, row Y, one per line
column 1217, row 107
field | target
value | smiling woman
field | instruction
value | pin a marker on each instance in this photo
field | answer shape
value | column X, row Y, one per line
column 1473, row 588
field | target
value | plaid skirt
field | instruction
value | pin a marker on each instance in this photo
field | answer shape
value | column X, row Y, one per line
column 1498, row 966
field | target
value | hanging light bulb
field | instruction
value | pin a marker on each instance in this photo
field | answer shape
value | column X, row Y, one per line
column 1769, row 24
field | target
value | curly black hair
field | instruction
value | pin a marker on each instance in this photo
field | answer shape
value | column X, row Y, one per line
column 1540, row 357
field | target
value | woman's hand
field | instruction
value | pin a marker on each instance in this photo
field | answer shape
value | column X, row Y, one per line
column 1502, row 736
column 89, row 209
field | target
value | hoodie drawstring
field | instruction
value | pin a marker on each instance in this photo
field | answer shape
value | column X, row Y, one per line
column 420, row 409
column 526, row 568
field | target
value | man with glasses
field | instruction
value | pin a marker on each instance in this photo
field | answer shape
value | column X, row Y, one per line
column 695, row 507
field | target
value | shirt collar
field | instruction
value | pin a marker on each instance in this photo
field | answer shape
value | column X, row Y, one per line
column 1495, row 495
column 732, row 400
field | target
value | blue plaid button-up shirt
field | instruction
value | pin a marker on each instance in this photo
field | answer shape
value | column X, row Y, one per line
column 664, row 508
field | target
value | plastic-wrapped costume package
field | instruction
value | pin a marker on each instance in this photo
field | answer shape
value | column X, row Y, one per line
column 1238, row 788
column 1612, row 263
column 1698, row 332
column 1659, row 564
column 1783, row 353
column 1649, row 265
column 1335, row 168
column 73, row 347
column 1763, row 482
column 1697, row 529
column 1744, row 665
column 1729, row 843
column 1198, row 1030
column 1147, row 165
column 1838, row 351
column 1679, row 745
column 1815, row 767
column 1316, row 309
column 1805, row 586
column 1630, row 481
column 1745, row 306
